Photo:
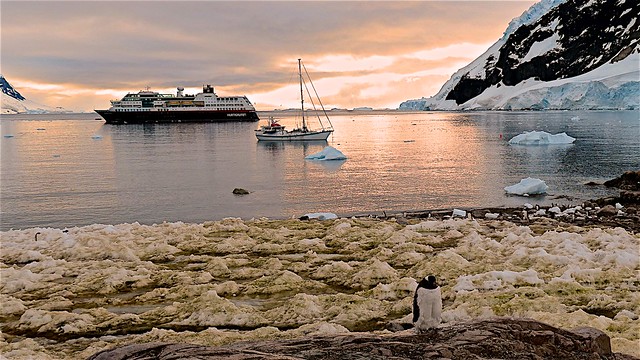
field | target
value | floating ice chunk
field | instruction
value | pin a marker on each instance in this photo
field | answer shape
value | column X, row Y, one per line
column 328, row 153
column 527, row 186
column 460, row 213
column 541, row 138
column 528, row 206
column 321, row 216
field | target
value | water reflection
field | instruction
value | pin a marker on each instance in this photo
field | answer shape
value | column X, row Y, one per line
column 60, row 176
column 531, row 158
column 305, row 146
column 329, row 165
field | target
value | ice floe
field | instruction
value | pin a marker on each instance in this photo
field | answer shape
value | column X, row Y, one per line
column 328, row 153
column 541, row 138
column 321, row 216
column 528, row 186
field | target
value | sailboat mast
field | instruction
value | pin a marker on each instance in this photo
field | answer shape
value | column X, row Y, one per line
column 304, row 124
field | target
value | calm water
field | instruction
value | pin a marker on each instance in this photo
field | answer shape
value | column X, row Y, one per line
column 70, row 170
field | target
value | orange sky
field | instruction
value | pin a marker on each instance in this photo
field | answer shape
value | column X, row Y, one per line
column 79, row 55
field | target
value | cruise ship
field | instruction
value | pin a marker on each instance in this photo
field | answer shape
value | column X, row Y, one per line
column 148, row 106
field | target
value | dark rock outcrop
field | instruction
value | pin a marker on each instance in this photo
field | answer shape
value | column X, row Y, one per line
column 589, row 34
column 500, row 338
column 9, row 90
column 630, row 180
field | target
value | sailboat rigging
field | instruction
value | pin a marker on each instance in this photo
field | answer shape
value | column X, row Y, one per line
column 274, row 131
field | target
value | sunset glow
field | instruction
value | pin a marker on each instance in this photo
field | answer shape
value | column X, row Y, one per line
column 374, row 54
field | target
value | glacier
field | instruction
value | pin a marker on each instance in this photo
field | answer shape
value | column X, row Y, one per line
column 615, row 85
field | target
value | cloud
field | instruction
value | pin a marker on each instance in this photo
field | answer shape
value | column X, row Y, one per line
column 246, row 47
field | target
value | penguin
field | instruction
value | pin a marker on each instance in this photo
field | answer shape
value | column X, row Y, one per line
column 427, row 305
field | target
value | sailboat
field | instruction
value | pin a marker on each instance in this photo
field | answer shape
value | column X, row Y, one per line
column 276, row 132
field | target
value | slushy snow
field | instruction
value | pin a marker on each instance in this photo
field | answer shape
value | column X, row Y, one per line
column 328, row 153
column 242, row 280
column 528, row 186
column 541, row 138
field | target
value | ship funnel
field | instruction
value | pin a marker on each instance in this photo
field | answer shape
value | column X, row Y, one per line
column 180, row 90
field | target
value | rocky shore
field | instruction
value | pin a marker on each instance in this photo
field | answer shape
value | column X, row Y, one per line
column 513, row 282
column 616, row 211
column 498, row 338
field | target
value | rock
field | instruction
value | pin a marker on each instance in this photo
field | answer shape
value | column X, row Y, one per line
column 608, row 210
column 630, row 180
column 497, row 338
column 630, row 197
column 597, row 341
column 240, row 191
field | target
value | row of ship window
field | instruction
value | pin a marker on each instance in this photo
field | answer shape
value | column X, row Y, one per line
column 125, row 103
column 148, row 109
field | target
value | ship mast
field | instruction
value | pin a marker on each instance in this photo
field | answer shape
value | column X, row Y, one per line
column 304, row 124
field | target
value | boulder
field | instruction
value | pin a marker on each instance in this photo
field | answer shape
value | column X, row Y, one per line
column 608, row 210
column 630, row 197
column 630, row 180
column 497, row 338
column 240, row 191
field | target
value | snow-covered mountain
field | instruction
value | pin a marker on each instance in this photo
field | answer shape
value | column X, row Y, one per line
column 14, row 103
column 559, row 54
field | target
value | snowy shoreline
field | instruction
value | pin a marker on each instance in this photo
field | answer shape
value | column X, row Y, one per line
column 71, row 294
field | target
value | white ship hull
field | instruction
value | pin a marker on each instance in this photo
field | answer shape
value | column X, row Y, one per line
column 293, row 135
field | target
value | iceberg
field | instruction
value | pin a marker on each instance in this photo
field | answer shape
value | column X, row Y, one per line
column 328, row 153
column 541, row 138
column 321, row 216
column 528, row 186
column 459, row 213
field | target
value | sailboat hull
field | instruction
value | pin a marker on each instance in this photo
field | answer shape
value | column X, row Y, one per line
column 294, row 135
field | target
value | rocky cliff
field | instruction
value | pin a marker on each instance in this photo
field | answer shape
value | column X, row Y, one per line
column 499, row 338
